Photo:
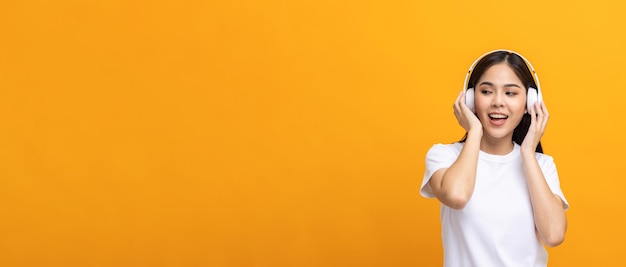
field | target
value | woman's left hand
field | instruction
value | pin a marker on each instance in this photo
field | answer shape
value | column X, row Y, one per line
column 538, row 121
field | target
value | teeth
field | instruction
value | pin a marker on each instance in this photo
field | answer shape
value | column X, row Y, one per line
column 498, row 116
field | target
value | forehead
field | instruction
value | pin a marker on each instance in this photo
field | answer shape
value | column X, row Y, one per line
column 500, row 73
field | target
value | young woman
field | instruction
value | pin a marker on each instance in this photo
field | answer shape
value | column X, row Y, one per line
column 500, row 195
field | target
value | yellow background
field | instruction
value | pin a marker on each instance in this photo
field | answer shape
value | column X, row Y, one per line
column 281, row 133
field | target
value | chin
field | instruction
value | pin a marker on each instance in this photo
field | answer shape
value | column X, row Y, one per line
column 499, row 134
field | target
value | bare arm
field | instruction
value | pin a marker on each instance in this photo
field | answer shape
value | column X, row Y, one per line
column 454, row 186
column 548, row 211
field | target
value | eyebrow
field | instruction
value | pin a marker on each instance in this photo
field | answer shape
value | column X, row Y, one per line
column 506, row 85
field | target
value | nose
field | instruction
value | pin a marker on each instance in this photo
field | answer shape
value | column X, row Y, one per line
column 498, row 100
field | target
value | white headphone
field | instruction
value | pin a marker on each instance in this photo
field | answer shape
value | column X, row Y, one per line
column 533, row 95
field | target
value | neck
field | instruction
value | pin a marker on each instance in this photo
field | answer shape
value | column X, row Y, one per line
column 500, row 146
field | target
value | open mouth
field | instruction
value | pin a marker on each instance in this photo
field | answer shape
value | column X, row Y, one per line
column 496, row 117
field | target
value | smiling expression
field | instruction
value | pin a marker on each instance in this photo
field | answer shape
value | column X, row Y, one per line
column 500, row 100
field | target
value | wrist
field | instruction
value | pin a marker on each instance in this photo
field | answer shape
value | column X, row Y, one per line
column 527, row 152
column 475, row 133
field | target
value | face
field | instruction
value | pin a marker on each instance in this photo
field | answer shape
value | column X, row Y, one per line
column 500, row 100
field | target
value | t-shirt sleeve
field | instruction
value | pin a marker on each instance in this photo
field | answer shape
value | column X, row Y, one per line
column 552, row 178
column 439, row 156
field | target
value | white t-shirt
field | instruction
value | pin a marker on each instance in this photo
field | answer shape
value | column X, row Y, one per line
column 496, row 227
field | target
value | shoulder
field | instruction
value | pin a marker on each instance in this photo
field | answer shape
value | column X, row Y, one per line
column 450, row 148
column 547, row 165
column 544, row 159
column 444, row 151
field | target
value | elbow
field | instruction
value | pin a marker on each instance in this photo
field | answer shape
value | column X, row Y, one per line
column 457, row 201
column 455, row 197
column 555, row 236
column 554, row 240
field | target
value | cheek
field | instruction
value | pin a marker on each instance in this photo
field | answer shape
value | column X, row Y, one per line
column 519, row 109
column 521, row 105
column 481, row 102
column 517, row 119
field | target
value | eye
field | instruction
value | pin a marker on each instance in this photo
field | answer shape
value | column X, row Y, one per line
column 511, row 93
column 485, row 92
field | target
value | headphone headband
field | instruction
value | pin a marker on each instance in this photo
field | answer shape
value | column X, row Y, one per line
column 528, row 65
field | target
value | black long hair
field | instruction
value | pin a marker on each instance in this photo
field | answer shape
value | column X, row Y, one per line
column 519, row 67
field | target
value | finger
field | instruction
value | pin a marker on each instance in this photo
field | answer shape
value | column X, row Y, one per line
column 533, row 116
column 545, row 109
column 533, row 111
column 546, row 116
column 540, row 117
column 462, row 106
column 455, row 106
column 538, row 110
column 462, row 100
column 457, row 101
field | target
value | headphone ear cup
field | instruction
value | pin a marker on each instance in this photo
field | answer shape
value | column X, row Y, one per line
column 469, row 99
column 532, row 97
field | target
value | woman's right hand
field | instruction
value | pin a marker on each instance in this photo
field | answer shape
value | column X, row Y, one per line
column 466, row 118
